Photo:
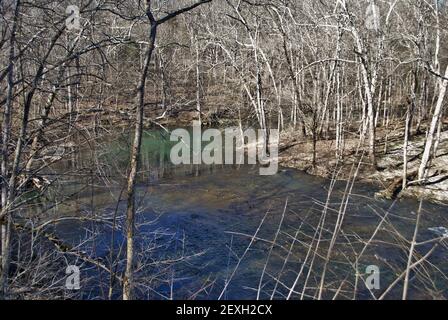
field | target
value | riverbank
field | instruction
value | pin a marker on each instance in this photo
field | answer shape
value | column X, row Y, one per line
column 297, row 153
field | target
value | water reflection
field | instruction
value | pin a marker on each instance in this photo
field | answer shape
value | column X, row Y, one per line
column 208, row 214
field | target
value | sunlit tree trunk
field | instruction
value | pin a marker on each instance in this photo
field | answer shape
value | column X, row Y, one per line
column 128, row 283
column 431, row 139
column 135, row 160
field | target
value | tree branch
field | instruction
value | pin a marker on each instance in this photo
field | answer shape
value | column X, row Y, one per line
column 180, row 11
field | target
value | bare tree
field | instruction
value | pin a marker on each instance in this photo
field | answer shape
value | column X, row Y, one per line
column 136, row 146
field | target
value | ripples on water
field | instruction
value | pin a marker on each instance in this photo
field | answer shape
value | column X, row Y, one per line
column 209, row 214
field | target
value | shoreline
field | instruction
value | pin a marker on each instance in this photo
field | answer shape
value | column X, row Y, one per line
column 295, row 152
column 388, row 175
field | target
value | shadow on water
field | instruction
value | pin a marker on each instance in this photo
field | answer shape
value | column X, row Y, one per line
column 196, row 224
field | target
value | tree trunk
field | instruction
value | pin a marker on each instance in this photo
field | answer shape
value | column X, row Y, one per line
column 6, row 133
column 438, row 111
column 135, row 160
column 128, row 282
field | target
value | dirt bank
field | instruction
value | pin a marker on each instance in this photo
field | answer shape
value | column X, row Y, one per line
column 295, row 152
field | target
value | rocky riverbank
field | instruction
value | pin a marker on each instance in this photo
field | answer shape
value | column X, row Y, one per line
column 297, row 153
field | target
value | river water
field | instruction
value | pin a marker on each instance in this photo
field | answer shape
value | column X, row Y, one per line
column 196, row 227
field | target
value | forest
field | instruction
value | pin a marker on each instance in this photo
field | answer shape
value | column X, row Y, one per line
column 348, row 98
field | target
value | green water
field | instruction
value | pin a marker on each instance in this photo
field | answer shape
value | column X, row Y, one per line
column 207, row 215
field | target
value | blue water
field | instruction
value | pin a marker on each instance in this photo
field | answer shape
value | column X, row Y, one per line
column 195, row 225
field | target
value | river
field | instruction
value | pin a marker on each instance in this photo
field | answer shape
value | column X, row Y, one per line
column 197, row 225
